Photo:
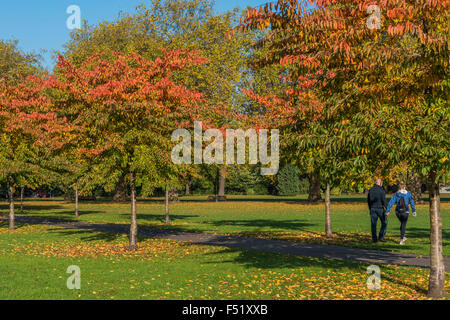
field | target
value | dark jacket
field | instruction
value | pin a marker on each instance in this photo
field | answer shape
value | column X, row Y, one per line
column 377, row 198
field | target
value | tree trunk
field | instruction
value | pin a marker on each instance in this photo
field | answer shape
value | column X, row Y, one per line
column 77, row 214
column 188, row 189
column 11, row 206
column 436, row 287
column 328, row 230
column 121, row 192
column 216, row 185
column 314, row 188
column 167, row 207
column 222, row 180
column 414, row 186
column 21, row 199
column 133, row 224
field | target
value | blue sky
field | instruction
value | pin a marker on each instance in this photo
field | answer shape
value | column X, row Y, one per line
column 41, row 24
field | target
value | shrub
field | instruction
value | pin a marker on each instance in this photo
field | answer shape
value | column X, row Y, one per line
column 288, row 181
column 242, row 180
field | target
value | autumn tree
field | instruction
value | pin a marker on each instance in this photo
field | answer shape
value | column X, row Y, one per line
column 312, row 128
column 173, row 24
column 387, row 82
column 27, row 126
column 16, row 69
column 413, row 70
column 125, row 108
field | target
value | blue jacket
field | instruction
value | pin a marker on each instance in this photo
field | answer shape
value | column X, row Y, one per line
column 396, row 199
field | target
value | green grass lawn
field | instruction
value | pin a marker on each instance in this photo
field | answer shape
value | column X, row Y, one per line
column 259, row 216
column 34, row 260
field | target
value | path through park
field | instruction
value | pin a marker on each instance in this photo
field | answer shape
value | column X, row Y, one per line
column 267, row 245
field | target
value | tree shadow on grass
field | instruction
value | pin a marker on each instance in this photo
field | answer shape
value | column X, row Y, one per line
column 287, row 200
column 340, row 200
column 159, row 218
column 80, row 212
column 284, row 225
column 267, row 260
column 5, row 207
column 351, row 240
column 444, row 198
column 255, row 224
column 57, row 216
column 87, row 234
column 401, row 281
column 4, row 224
column 425, row 233
column 93, row 233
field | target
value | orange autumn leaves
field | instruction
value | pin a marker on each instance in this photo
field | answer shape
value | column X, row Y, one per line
column 112, row 96
column 78, row 101
column 26, row 112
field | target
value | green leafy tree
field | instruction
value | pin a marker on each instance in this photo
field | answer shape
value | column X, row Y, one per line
column 15, row 64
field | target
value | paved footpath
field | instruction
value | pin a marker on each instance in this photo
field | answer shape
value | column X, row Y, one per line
column 267, row 245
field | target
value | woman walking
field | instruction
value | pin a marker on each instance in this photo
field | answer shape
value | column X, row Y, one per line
column 402, row 199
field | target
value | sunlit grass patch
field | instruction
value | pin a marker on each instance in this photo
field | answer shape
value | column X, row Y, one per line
column 269, row 217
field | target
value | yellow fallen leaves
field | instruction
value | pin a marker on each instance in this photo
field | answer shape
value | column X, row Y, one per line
column 333, row 284
column 25, row 229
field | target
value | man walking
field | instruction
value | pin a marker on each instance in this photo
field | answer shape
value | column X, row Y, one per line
column 377, row 205
column 402, row 199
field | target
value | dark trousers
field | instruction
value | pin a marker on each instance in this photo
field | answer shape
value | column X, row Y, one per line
column 375, row 214
column 403, row 221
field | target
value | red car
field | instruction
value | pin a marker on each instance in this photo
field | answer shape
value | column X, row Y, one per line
column 42, row 194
